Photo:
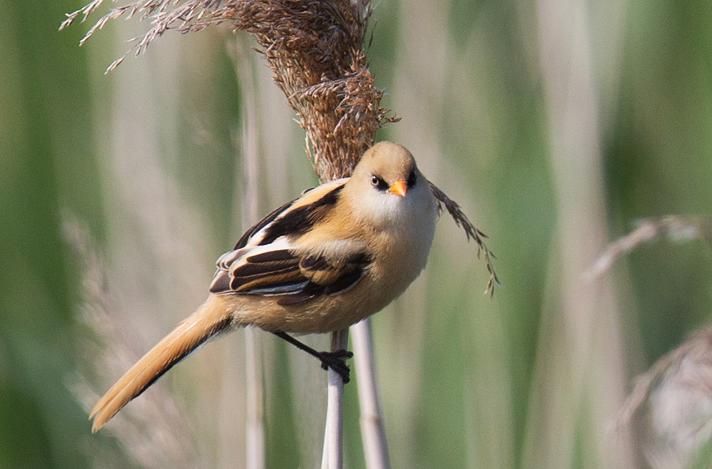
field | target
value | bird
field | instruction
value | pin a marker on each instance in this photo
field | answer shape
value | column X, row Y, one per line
column 328, row 259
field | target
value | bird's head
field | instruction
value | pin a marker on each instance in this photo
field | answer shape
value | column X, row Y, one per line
column 388, row 185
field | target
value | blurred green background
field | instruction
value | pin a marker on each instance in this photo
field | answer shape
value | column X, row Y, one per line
column 555, row 124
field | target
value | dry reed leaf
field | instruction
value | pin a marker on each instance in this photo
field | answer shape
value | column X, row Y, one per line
column 673, row 227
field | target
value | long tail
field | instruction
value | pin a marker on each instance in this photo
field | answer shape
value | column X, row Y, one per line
column 211, row 318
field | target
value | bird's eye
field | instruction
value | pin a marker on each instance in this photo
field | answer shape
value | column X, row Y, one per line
column 378, row 183
column 411, row 179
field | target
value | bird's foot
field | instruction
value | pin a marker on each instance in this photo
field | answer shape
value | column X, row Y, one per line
column 337, row 362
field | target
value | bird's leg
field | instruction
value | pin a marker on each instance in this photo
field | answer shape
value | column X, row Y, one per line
column 334, row 360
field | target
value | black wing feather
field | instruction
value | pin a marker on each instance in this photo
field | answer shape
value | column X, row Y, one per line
column 300, row 220
column 281, row 273
column 348, row 274
column 242, row 242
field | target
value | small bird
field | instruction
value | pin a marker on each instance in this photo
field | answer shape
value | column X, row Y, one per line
column 320, row 263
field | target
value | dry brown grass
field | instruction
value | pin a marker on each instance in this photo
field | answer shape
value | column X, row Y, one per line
column 315, row 51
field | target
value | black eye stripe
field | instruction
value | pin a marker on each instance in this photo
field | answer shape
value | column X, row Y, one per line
column 378, row 183
column 412, row 178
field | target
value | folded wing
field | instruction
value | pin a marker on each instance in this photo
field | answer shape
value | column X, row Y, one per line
column 292, row 277
column 267, row 260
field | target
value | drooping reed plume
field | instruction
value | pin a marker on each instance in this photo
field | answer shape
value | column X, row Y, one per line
column 315, row 51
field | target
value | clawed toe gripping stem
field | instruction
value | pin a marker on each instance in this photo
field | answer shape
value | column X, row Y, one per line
column 337, row 362
column 334, row 360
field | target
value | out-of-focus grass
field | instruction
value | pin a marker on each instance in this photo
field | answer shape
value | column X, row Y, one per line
column 461, row 374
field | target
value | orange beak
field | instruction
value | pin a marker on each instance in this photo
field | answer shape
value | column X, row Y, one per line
column 398, row 188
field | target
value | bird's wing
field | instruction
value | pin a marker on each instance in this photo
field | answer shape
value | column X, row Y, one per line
column 268, row 260
column 294, row 276
column 293, row 218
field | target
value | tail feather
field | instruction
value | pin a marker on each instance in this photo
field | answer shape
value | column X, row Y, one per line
column 208, row 321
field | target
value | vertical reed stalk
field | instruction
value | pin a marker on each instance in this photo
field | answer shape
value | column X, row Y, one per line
column 587, row 318
column 373, row 433
column 255, row 438
column 333, row 453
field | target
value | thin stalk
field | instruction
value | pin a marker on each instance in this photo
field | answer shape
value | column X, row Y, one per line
column 255, row 439
column 373, row 434
column 333, row 452
column 255, row 435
